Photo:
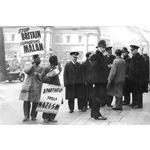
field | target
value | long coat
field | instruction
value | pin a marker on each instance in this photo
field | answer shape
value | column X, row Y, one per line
column 99, row 68
column 98, row 76
column 73, row 80
column 127, row 83
column 137, row 73
column 117, row 77
column 47, row 79
column 35, row 86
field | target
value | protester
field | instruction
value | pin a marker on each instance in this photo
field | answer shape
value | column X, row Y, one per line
column 116, row 79
column 109, row 58
column 73, row 81
column 50, row 75
column 86, row 67
column 99, row 80
column 136, row 77
column 31, row 89
column 127, row 84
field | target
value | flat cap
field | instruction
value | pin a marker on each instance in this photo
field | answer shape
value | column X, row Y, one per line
column 108, row 48
column 133, row 47
column 74, row 53
column 125, row 50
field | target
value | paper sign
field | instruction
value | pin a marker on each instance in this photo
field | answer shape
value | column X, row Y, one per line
column 51, row 98
column 31, row 42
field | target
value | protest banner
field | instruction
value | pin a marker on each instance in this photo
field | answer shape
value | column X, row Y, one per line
column 51, row 98
column 31, row 41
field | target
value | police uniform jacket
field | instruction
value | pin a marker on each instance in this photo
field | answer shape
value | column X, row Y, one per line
column 73, row 80
column 98, row 76
column 136, row 73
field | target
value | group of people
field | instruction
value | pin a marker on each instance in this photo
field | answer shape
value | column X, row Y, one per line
column 104, row 76
column 93, row 83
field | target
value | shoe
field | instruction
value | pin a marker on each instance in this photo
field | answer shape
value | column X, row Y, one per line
column 52, row 120
column 125, row 103
column 26, row 119
column 136, row 107
column 92, row 115
column 117, row 108
column 83, row 109
column 33, row 119
column 100, row 118
column 131, row 105
column 102, row 105
column 46, row 121
column 110, row 105
column 71, row 111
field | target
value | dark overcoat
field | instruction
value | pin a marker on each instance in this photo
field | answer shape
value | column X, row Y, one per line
column 86, row 69
column 127, row 59
column 136, row 73
column 73, row 80
column 98, row 77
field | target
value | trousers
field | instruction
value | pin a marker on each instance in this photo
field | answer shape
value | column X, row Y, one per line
column 26, row 108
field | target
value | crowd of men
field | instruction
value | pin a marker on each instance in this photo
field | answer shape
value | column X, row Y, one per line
column 103, row 76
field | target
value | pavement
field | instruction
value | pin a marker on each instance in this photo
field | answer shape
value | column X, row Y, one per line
column 11, row 111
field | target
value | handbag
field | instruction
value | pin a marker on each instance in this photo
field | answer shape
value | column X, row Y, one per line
column 26, row 86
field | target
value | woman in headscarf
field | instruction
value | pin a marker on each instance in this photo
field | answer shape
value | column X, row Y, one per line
column 50, row 75
column 31, row 89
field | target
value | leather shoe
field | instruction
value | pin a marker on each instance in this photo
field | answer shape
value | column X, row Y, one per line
column 124, row 103
column 110, row 105
column 100, row 118
column 26, row 119
column 136, row 107
column 117, row 108
column 71, row 111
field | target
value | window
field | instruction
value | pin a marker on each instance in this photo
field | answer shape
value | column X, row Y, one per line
column 68, row 39
column 80, row 39
column 13, row 37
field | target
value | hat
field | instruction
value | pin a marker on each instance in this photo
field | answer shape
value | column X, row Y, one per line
column 133, row 47
column 101, row 43
column 88, row 54
column 108, row 48
column 125, row 50
column 35, row 56
column 74, row 53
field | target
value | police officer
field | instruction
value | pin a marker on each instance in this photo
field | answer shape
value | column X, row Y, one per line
column 86, row 68
column 126, row 91
column 136, row 77
column 73, row 81
column 99, row 80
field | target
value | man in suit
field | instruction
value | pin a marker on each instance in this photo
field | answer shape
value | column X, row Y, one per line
column 126, row 91
column 136, row 77
column 109, row 58
column 116, row 79
column 99, row 80
column 86, row 79
column 73, row 81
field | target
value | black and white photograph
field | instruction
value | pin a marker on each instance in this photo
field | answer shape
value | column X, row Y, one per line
column 74, row 75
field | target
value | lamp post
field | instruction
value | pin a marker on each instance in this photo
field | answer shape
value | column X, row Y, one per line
column 44, row 44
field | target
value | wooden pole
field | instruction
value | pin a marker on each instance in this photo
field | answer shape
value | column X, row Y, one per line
column 2, row 57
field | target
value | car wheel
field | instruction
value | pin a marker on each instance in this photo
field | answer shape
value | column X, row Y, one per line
column 21, row 77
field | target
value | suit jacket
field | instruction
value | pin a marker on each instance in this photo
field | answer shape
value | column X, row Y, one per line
column 137, row 73
column 99, row 69
column 73, row 80
column 117, row 77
